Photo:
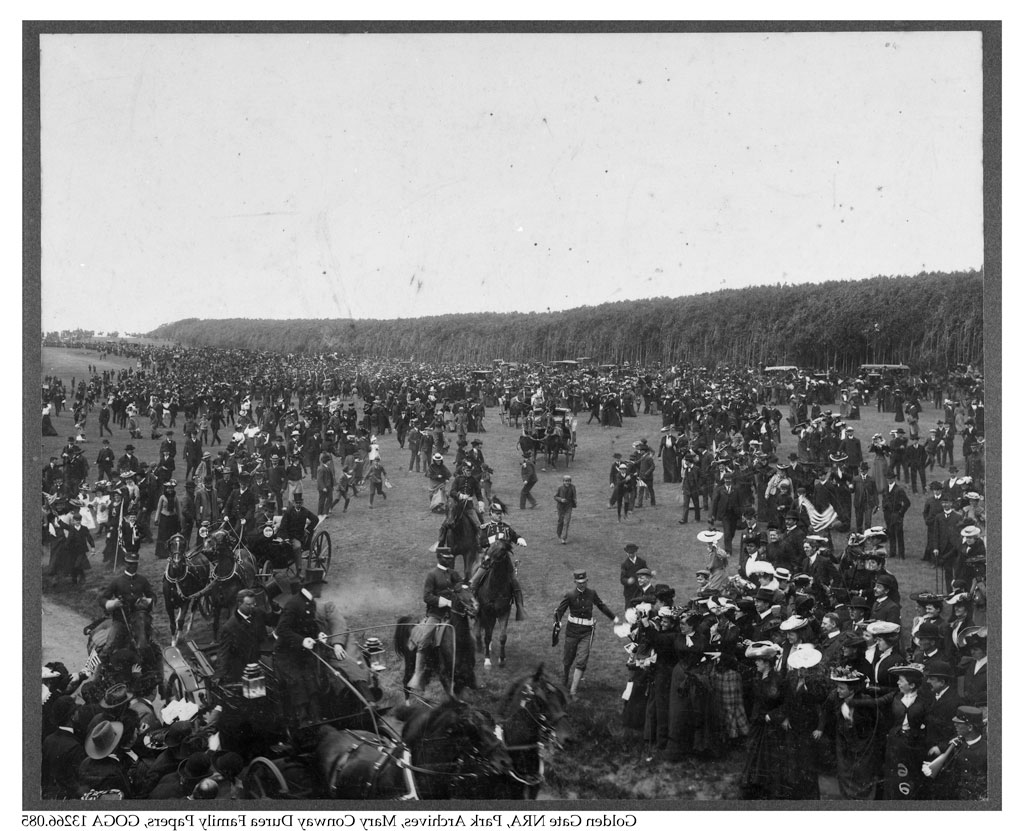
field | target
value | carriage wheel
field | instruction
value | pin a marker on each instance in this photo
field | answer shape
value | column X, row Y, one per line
column 205, row 605
column 263, row 780
column 320, row 551
column 265, row 574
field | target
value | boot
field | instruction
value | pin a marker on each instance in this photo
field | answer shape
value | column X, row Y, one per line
column 577, row 676
column 520, row 605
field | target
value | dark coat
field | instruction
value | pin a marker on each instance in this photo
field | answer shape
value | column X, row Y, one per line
column 62, row 756
column 895, row 504
column 239, row 644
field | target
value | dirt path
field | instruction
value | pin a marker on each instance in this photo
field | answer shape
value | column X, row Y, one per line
column 62, row 635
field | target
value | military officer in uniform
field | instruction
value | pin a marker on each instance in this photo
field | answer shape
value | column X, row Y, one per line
column 495, row 530
column 438, row 592
column 579, row 633
column 128, row 600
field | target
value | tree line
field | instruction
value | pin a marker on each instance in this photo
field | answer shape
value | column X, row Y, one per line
column 932, row 320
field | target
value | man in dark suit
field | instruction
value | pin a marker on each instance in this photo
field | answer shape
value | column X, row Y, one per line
column 865, row 497
column 932, row 512
column 169, row 445
column 627, row 571
column 885, row 608
column 727, row 508
column 689, row 476
column 297, row 634
column 193, row 453
column 941, row 681
column 62, row 754
column 951, row 487
column 895, row 504
column 851, row 448
column 947, row 539
column 238, row 643
column 916, row 458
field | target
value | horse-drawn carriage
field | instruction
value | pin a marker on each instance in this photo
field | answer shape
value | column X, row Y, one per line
column 361, row 749
column 207, row 578
column 551, row 431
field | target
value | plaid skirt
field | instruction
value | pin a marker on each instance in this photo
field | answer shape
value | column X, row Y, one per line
column 727, row 687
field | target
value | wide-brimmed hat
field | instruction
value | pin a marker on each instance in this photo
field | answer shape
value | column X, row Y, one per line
column 793, row 623
column 437, row 457
column 765, row 595
column 103, row 739
column 763, row 649
column 883, row 628
column 845, row 675
column 115, row 697
column 912, row 672
column 803, row 656
column 970, row 532
column 973, row 636
column 709, row 536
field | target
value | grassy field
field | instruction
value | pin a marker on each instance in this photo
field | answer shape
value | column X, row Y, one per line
column 381, row 557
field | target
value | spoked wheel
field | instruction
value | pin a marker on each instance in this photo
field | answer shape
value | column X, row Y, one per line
column 266, row 574
column 205, row 606
column 320, row 551
column 263, row 780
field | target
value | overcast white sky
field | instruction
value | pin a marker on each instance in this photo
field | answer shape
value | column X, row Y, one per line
column 406, row 175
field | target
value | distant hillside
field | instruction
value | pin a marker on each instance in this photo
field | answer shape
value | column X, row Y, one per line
column 931, row 320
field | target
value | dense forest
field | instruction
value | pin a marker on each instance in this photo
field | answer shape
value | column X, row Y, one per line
column 933, row 320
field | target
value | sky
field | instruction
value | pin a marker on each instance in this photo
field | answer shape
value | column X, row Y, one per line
column 396, row 176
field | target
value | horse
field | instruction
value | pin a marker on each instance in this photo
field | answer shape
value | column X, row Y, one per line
column 554, row 443
column 233, row 571
column 185, row 578
column 459, row 534
column 533, row 711
column 492, row 585
column 515, row 410
column 455, row 749
column 447, row 752
column 529, row 445
column 454, row 657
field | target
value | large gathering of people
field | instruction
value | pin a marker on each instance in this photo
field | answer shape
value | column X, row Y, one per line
column 793, row 649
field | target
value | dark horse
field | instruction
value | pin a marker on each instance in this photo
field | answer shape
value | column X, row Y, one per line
column 492, row 584
column 460, row 535
column 456, row 750
column 533, row 712
column 452, row 751
column 185, row 578
column 454, row 658
column 234, row 569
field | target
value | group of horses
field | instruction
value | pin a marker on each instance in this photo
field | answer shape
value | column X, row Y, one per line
column 450, row 751
column 192, row 582
column 554, row 441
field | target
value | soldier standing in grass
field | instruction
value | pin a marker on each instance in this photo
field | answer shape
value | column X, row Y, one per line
column 579, row 633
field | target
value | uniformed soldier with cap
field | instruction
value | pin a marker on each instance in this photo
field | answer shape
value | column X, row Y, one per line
column 128, row 600
column 438, row 593
column 496, row 530
column 579, row 633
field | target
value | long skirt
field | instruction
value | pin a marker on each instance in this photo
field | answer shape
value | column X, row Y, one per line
column 167, row 527
column 634, row 708
column 903, row 775
column 858, row 762
column 764, row 774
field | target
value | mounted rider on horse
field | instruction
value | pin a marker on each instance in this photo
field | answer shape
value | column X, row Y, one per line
column 498, row 530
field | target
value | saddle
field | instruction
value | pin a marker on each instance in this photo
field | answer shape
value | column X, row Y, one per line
column 427, row 634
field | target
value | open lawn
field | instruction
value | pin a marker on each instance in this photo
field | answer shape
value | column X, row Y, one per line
column 381, row 558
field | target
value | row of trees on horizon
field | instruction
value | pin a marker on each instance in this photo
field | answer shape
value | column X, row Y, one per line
column 933, row 320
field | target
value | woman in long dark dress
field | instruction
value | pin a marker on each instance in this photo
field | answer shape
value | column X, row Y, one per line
column 879, row 452
column 858, row 734
column 905, row 745
column 805, row 692
column 168, row 512
column 764, row 773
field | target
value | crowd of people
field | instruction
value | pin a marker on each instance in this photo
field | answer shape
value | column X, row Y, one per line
column 793, row 647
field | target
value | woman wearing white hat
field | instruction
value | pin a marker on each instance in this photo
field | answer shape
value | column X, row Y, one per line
column 764, row 775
